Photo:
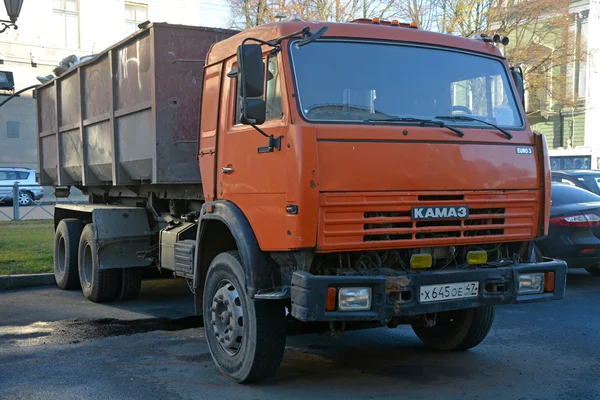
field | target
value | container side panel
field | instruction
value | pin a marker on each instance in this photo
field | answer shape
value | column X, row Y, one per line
column 69, row 100
column 70, row 142
column 99, row 152
column 48, row 149
column 179, row 55
column 133, row 73
column 135, row 150
column 96, row 88
column 47, row 100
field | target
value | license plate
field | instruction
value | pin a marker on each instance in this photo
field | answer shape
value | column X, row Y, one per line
column 449, row 291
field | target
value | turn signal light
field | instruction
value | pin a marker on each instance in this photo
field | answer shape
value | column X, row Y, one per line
column 413, row 24
column 375, row 20
column 421, row 261
column 330, row 302
column 395, row 22
column 477, row 257
column 549, row 282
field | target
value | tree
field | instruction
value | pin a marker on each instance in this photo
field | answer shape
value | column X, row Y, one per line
column 540, row 30
column 247, row 13
column 542, row 41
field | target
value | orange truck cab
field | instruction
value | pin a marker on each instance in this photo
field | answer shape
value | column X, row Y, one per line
column 341, row 175
column 389, row 174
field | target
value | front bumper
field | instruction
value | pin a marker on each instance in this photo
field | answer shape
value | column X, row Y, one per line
column 496, row 286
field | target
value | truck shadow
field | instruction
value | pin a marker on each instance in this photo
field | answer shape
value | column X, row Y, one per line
column 379, row 353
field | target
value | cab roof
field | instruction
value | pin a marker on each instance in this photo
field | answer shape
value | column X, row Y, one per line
column 355, row 30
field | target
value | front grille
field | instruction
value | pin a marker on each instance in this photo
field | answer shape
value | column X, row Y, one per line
column 384, row 219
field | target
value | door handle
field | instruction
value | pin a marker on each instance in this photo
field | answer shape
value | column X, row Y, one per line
column 227, row 170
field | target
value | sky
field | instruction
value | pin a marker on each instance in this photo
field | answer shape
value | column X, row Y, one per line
column 215, row 13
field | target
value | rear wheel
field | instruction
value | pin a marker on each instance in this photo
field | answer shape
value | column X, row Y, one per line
column 97, row 285
column 131, row 283
column 246, row 338
column 66, row 243
column 457, row 330
column 25, row 198
column 594, row 271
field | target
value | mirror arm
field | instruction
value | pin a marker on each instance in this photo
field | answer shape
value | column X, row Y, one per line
column 257, row 40
column 274, row 142
column 277, row 42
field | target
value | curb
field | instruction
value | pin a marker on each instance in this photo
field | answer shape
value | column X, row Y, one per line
column 18, row 281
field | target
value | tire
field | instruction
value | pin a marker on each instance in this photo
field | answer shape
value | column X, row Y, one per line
column 253, row 348
column 131, row 283
column 97, row 285
column 25, row 198
column 66, row 247
column 594, row 271
column 457, row 330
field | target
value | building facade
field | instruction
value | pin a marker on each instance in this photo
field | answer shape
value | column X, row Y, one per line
column 50, row 30
column 573, row 133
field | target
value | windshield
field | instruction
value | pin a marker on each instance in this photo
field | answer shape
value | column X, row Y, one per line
column 360, row 81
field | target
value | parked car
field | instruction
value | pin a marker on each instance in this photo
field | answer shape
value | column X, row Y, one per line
column 29, row 188
column 588, row 179
column 574, row 234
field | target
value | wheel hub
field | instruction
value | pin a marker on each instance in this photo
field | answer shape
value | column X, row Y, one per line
column 23, row 198
column 227, row 318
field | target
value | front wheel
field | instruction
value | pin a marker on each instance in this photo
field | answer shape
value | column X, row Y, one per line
column 457, row 330
column 246, row 338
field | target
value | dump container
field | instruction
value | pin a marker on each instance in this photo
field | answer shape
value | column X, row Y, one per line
column 131, row 114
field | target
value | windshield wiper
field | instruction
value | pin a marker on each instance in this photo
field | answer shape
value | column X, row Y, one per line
column 421, row 122
column 465, row 118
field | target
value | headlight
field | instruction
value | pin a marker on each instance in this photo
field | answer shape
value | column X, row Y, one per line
column 354, row 299
column 531, row 283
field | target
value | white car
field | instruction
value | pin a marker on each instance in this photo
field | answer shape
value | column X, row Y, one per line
column 29, row 188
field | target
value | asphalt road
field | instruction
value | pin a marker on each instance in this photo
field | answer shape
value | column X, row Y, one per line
column 45, row 211
column 54, row 344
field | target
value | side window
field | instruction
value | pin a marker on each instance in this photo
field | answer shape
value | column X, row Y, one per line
column 272, row 93
column 238, row 99
column 3, row 176
column 22, row 175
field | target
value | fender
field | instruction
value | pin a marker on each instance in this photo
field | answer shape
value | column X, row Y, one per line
column 262, row 274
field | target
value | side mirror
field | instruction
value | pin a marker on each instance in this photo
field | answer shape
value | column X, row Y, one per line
column 252, row 70
column 254, row 112
column 517, row 74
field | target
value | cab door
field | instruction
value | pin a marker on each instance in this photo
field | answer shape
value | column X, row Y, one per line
column 255, row 181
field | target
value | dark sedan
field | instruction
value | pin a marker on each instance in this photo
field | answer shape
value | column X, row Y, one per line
column 588, row 179
column 574, row 234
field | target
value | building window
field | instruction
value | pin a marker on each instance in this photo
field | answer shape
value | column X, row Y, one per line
column 135, row 14
column 66, row 23
column 12, row 130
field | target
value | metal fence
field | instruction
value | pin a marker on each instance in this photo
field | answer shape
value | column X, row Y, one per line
column 11, row 208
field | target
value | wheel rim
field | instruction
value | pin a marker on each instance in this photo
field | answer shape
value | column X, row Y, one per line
column 227, row 318
column 61, row 254
column 87, row 265
column 24, row 198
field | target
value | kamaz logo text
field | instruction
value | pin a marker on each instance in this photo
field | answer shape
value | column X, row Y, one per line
column 439, row 212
